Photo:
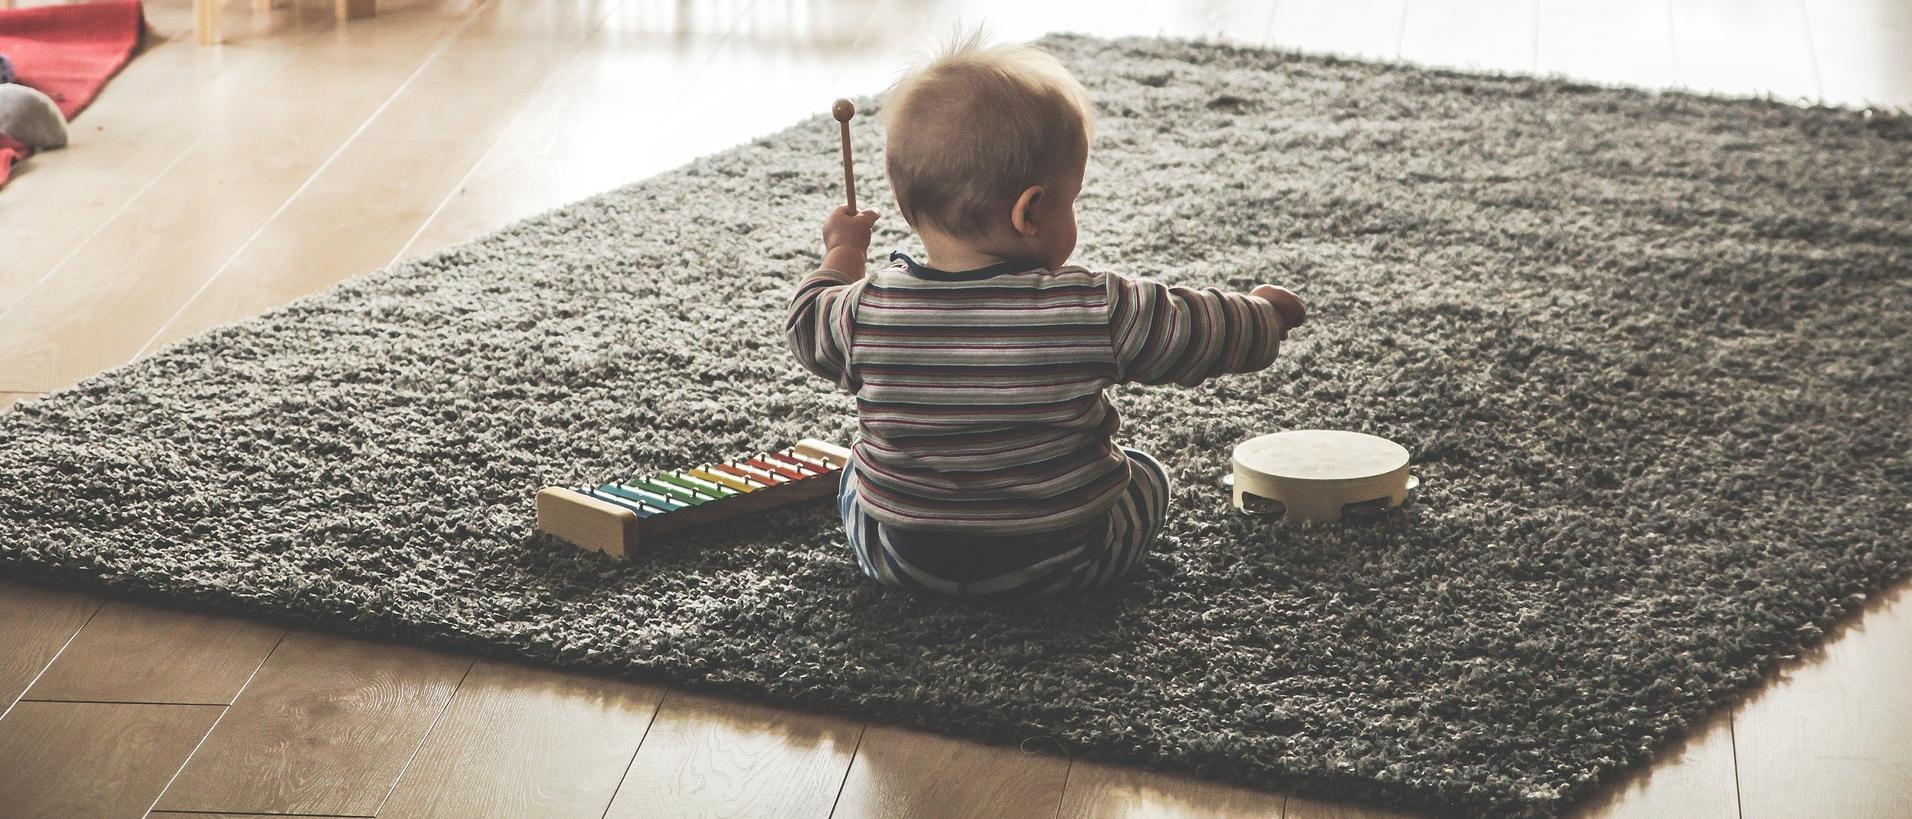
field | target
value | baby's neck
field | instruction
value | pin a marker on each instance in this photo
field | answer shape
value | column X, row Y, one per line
column 954, row 255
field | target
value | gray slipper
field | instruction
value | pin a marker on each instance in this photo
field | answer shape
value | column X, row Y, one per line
column 31, row 117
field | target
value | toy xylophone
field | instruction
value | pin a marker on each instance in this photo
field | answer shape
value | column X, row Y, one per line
column 615, row 517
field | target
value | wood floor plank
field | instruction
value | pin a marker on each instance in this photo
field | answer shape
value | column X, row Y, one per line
column 325, row 727
column 105, row 301
column 708, row 756
column 389, row 179
column 248, row 136
column 1014, row 21
column 1625, row 42
column 1304, row 808
column 916, row 28
column 542, row 20
column 1096, row 790
column 1238, row 21
column 520, row 741
column 1493, row 35
column 378, row 192
column 141, row 123
column 461, row 95
column 167, row 814
column 615, row 94
column 134, row 653
column 621, row 95
column 788, row 83
column 1694, row 779
column 174, row 93
column 38, row 622
column 915, row 774
column 504, row 188
column 609, row 89
column 376, row 56
column 1830, row 737
column 68, row 759
column 242, row 28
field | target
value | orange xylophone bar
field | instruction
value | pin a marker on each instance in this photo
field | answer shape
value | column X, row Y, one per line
column 616, row 517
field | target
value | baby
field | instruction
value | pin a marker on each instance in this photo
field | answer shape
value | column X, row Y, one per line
column 985, row 463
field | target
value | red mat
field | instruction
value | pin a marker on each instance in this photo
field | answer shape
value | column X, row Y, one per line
column 67, row 53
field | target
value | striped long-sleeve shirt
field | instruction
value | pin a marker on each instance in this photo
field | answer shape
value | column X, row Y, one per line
column 979, row 394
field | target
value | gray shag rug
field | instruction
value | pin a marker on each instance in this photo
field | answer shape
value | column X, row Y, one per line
column 1650, row 353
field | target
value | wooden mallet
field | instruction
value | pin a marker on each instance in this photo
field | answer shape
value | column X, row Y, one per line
column 843, row 110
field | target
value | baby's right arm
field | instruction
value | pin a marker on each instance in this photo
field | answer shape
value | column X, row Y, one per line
column 1180, row 335
column 817, row 322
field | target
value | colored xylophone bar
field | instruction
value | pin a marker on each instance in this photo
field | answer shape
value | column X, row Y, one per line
column 616, row 517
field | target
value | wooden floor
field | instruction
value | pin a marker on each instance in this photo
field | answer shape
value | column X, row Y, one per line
column 208, row 184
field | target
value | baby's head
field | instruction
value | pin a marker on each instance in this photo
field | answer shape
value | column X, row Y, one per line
column 986, row 149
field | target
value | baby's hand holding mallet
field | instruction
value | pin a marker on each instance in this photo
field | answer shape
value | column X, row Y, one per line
column 846, row 240
column 848, row 229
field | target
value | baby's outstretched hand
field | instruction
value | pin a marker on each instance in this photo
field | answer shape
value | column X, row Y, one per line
column 1288, row 305
column 846, row 229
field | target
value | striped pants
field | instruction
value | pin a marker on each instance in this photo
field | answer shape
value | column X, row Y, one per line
column 1079, row 559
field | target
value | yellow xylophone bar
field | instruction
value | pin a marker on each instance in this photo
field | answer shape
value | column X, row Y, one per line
column 616, row 517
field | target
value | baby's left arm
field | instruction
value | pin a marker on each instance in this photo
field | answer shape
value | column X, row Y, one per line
column 1182, row 335
column 818, row 328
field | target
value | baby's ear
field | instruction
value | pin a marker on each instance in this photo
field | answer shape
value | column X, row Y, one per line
column 1023, row 216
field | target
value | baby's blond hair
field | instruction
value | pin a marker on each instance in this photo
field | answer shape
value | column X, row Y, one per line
column 971, row 130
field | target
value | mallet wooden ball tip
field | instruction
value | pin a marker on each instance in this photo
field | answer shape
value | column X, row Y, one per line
column 843, row 110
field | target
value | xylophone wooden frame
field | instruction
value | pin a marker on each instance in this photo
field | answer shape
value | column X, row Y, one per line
column 575, row 516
